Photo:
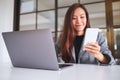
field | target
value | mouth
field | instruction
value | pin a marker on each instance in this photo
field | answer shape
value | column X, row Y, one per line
column 78, row 25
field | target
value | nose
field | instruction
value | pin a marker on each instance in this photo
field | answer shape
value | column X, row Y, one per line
column 78, row 20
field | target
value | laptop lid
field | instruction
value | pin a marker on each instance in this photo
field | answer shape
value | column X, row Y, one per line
column 31, row 49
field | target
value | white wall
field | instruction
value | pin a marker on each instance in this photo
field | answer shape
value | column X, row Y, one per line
column 6, row 24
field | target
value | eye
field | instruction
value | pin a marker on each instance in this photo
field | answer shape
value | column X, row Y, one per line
column 82, row 16
column 74, row 18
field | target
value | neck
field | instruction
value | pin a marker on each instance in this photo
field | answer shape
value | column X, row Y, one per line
column 80, row 33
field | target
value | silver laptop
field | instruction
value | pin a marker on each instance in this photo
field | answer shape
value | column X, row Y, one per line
column 32, row 49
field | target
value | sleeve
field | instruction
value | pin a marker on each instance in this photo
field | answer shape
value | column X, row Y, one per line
column 105, row 50
column 57, row 48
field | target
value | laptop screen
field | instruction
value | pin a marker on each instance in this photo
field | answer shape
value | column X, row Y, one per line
column 31, row 49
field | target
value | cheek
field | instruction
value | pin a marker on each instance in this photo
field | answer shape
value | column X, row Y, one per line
column 73, row 23
column 85, row 21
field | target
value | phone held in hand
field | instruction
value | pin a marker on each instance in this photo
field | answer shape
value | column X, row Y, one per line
column 91, row 35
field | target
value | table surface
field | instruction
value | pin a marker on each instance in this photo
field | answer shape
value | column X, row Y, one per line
column 75, row 72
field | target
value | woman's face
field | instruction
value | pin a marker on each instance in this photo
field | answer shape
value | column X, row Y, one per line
column 79, row 20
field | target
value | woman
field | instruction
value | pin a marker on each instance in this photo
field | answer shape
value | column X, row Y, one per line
column 70, row 43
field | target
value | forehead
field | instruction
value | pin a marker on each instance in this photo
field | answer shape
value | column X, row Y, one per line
column 78, row 11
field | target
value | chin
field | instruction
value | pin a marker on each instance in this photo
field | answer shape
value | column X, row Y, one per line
column 80, row 29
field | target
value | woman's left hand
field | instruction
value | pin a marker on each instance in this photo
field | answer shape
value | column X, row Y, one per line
column 94, row 49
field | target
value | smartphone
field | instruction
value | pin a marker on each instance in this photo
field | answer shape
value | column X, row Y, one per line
column 91, row 35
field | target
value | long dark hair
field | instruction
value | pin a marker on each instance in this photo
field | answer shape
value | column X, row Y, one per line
column 68, row 33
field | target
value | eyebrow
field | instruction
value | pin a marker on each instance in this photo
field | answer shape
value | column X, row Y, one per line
column 80, row 15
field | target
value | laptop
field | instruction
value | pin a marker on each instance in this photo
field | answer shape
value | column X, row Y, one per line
column 32, row 49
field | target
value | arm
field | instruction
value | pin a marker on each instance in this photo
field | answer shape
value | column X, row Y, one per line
column 57, row 48
column 100, row 50
column 94, row 49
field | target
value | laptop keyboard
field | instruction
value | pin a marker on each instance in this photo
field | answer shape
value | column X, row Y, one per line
column 65, row 65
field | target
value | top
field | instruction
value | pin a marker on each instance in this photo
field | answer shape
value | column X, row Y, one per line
column 77, row 44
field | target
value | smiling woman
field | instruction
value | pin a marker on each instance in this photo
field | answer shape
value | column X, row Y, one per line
column 71, row 39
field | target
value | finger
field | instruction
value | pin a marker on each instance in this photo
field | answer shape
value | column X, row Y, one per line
column 91, row 47
column 95, row 44
column 91, row 51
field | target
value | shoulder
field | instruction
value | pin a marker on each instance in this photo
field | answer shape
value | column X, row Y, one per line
column 100, row 36
column 101, row 39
